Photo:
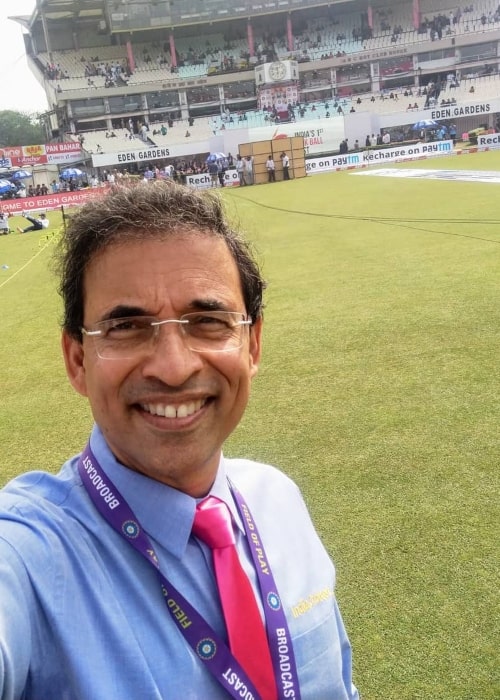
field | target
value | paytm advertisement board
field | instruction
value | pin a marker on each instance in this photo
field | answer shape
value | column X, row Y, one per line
column 203, row 181
column 488, row 141
column 377, row 156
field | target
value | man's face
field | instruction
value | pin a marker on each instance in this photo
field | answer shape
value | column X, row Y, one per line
column 165, row 278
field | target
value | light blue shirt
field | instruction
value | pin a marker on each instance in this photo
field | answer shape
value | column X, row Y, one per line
column 82, row 616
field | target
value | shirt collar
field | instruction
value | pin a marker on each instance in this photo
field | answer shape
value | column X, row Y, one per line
column 166, row 514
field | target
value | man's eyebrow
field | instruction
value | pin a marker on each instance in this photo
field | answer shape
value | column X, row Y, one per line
column 207, row 305
column 122, row 311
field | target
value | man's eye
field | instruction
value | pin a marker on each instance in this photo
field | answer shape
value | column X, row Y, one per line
column 123, row 325
column 126, row 326
column 213, row 321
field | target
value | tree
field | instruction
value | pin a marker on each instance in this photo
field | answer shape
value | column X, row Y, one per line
column 20, row 129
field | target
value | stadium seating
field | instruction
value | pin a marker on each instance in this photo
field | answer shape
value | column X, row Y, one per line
column 204, row 55
column 80, row 75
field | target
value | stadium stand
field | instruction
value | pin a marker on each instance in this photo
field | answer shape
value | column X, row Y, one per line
column 190, row 72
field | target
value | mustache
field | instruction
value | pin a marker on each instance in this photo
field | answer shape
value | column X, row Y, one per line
column 155, row 386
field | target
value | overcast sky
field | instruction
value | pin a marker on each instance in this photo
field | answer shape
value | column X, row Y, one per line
column 19, row 89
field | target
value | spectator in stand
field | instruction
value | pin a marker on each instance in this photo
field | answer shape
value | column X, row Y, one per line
column 36, row 224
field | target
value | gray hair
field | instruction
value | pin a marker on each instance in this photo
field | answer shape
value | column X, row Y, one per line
column 136, row 212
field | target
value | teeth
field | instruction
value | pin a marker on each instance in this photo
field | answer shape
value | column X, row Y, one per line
column 169, row 411
column 185, row 410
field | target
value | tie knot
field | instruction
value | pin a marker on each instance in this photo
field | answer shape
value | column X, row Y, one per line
column 213, row 524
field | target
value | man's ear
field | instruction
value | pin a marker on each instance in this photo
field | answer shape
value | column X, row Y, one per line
column 73, row 354
column 255, row 349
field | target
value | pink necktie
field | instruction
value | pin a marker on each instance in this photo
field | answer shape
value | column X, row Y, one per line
column 247, row 636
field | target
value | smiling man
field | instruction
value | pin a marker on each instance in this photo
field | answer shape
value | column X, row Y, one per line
column 151, row 566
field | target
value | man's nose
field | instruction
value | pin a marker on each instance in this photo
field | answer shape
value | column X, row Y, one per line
column 171, row 359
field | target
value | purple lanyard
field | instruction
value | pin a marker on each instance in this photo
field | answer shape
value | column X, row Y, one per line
column 207, row 645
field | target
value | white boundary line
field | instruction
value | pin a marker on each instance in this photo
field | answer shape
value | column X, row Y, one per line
column 25, row 265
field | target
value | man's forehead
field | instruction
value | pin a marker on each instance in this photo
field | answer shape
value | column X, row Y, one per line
column 190, row 238
column 198, row 261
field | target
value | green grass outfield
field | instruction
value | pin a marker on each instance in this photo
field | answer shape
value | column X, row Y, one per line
column 378, row 393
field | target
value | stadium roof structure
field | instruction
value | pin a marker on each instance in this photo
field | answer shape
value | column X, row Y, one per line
column 162, row 12
column 63, row 9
